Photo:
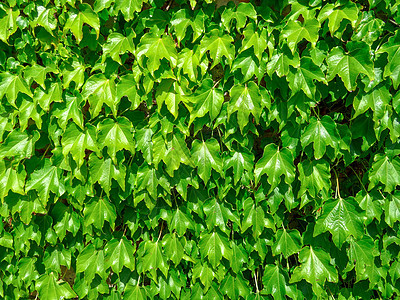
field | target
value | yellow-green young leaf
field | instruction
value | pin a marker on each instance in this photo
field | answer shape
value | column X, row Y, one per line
column 156, row 48
column 219, row 46
column 392, row 48
column 118, row 44
column 295, row 31
column 18, row 145
column 45, row 97
column 127, row 87
column 91, row 262
column 83, row 15
column 129, row 7
column 8, row 24
column 169, row 92
column 11, row 85
column 11, row 180
column 240, row 14
column 337, row 13
column 49, row 287
column 45, row 18
column 70, row 110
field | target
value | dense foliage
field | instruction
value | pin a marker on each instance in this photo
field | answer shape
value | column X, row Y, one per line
column 187, row 149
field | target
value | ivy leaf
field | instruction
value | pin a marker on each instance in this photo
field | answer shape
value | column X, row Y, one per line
column 361, row 254
column 337, row 13
column 342, row 218
column 254, row 217
column 392, row 209
column 371, row 203
column 282, row 60
column 321, row 133
column 104, row 170
column 254, row 39
column 218, row 46
column 288, row 242
column 45, row 18
column 49, row 287
column 98, row 90
column 181, row 222
column 118, row 44
column 235, row 286
column 11, row 85
column 147, row 178
column 245, row 100
column 77, row 18
column 98, row 211
column 215, row 246
column 116, row 136
column 206, row 157
column 73, row 72
column 119, row 253
column 377, row 100
column 8, row 24
column 275, row 281
column 207, row 99
column 173, row 248
column 275, row 162
column 46, row 180
column 315, row 267
column 156, row 48
column 127, row 87
column 385, row 170
column 129, row 7
column 314, row 176
column 240, row 14
column 72, row 110
column 350, row 65
column 18, row 145
column 154, row 259
column 170, row 93
column 11, row 180
column 304, row 77
column 239, row 161
column 76, row 142
column 295, row 31
column 91, row 261
column 392, row 48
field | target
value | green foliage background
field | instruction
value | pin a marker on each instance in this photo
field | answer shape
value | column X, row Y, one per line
column 176, row 149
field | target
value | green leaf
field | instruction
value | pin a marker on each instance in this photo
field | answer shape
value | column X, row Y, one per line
column 118, row 44
column 105, row 170
column 207, row 99
column 206, row 157
column 342, row 218
column 337, row 13
column 119, row 253
column 288, row 242
column 129, row 7
column 392, row 209
column 98, row 90
column 377, row 100
column 304, row 77
column 11, row 180
column 76, row 142
column 350, row 65
column 155, row 49
column 98, row 211
column 275, row 281
column 275, row 162
column 173, row 248
column 321, row 133
column 18, row 145
column 245, row 100
column 170, row 93
column 218, row 46
column 254, row 217
column 49, row 287
column 255, row 40
column 8, row 24
column 295, row 31
column 240, row 14
column 235, row 286
column 314, row 176
column 72, row 110
column 239, row 162
column 76, row 19
column 392, row 48
column 154, row 259
column 315, row 267
column 282, row 60
column 385, row 170
column 45, row 18
column 181, row 222
column 127, row 87
column 116, row 136
column 215, row 246
column 91, row 261
column 11, row 85
column 46, row 180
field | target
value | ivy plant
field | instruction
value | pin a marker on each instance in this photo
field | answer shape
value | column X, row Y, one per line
column 177, row 149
